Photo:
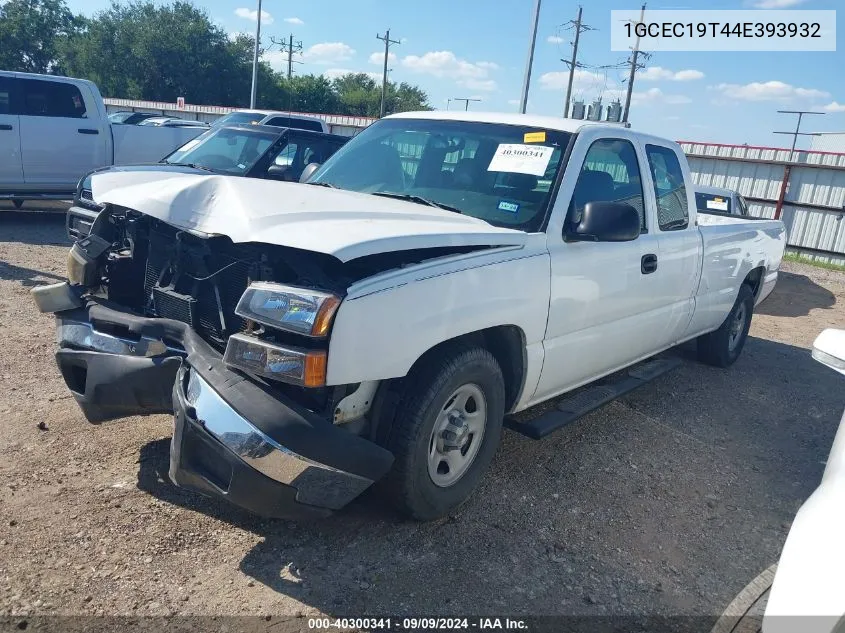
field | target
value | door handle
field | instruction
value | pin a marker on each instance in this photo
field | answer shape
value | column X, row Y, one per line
column 5, row 126
column 648, row 264
column 87, row 130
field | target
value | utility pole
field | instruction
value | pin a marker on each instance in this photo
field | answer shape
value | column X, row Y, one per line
column 254, row 90
column 466, row 101
column 290, row 47
column 798, row 131
column 573, row 64
column 526, row 82
column 633, row 72
column 387, row 42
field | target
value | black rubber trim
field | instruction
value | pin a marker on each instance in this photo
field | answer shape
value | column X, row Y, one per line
column 200, row 463
column 107, row 386
column 275, row 414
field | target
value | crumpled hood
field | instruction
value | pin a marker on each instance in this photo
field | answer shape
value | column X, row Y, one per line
column 343, row 224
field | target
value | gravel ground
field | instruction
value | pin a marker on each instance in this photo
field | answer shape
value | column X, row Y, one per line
column 667, row 501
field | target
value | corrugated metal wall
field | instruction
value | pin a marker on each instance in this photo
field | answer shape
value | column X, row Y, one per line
column 813, row 207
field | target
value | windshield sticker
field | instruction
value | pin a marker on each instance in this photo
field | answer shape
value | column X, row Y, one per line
column 510, row 207
column 719, row 204
column 534, row 137
column 521, row 159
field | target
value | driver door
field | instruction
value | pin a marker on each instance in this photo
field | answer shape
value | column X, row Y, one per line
column 603, row 312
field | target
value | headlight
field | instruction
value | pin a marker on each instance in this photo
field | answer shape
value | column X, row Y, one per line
column 308, row 312
column 291, row 365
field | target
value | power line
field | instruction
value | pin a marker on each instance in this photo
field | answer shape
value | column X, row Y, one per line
column 290, row 47
column 798, row 131
column 387, row 42
column 634, row 68
column 573, row 63
column 466, row 102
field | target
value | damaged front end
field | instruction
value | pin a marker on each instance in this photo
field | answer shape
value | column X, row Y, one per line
column 232, row 340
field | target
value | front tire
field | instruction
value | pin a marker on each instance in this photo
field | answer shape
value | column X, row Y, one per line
column 445, row 432
column 722, row 347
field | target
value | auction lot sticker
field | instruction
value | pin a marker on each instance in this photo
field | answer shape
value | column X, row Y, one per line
column 515, row 158
column 741, row 30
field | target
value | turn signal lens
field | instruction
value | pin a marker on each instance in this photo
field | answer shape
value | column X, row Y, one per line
column 292, row 365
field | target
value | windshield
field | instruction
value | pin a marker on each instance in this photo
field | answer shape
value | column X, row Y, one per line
column 120, row 117
column 712, row 202
column 503, row 174
column 226, row 150
column 237, row 118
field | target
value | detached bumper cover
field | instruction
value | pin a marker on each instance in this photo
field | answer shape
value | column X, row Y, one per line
column 234, row 437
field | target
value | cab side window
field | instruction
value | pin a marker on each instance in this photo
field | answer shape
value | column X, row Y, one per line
column 611, row 173
column 669, row 188
column 52, row 99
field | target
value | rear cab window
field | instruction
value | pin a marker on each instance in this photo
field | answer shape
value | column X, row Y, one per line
column 669, row 188
column 711, row 202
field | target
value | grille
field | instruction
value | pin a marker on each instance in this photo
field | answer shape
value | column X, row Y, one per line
column 85, row 194
column 196, row 284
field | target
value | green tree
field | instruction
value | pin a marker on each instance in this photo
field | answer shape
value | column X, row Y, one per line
column 311, row 93
column 142, row 50
column 31, row 34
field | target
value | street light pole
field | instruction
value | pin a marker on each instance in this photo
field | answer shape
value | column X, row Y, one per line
column 254, row 90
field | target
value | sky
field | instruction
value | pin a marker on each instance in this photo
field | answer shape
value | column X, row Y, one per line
column 478, row 49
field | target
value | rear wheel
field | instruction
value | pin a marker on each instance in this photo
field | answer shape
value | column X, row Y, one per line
column 445, row 431
column 722, row 347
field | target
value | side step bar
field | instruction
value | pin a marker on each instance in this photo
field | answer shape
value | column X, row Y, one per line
column 589, row 399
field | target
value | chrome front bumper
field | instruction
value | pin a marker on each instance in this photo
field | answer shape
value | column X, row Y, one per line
column 233, row 437
column 315, row 483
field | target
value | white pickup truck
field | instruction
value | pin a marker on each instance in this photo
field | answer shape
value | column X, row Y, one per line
column 437, row 275
column 54, row 130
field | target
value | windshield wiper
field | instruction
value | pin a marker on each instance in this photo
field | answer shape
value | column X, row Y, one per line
column 418, row 199
column 194, row 166
column 322, row 184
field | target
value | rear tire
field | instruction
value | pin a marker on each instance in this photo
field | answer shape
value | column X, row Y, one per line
column 722, row 347
column 445, row 432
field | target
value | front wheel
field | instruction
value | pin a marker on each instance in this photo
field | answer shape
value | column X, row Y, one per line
column 722, row 347
column 445, row 431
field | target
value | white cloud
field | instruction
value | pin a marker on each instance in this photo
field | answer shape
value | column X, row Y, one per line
column 834, row 106
column 554, row 39
column 328, row 53
column 296, row 21
column 487, row 85
column 233, row 35
column 767, row 91
column 777, row 4
column 584, row 80
column 252, row 14
column 652, row 96
column 445, row 64
column 334, row 73
column 378, row 58
column 656, row 73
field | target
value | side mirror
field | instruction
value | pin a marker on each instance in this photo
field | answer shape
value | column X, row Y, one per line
column 606, row 222
column 279, row 172
column 309, row 170
column 829, row 349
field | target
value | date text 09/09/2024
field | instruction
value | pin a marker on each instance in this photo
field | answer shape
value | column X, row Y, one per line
column 418, row 624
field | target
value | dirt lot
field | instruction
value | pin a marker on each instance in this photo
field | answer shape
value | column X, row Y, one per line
column 666, row 502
